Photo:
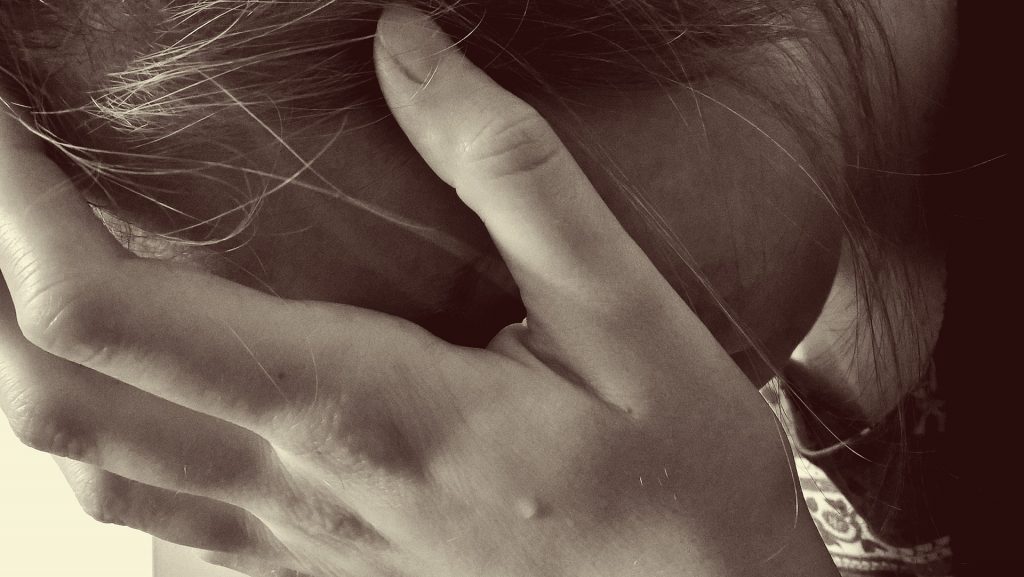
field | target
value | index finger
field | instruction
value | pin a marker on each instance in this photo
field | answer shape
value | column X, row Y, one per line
column 593, row 297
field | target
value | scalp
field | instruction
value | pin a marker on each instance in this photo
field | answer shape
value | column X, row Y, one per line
column 71, row 46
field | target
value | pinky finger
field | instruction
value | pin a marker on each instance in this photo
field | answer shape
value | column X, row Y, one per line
column 247, row 565
column 176, row 517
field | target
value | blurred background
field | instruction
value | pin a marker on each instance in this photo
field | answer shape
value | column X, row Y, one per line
column 43, row 531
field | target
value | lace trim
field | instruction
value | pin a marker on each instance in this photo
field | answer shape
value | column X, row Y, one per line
column 854, row 547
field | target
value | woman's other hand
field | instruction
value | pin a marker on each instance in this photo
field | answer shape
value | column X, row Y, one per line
column 608, row 435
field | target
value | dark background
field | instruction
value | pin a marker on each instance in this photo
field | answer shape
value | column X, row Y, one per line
column 976, row 212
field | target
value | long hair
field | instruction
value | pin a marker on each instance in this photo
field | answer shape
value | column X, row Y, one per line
column 133, row 95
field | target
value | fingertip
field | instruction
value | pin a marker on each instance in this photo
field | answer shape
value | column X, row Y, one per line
column 409, row 48
column 439, row 98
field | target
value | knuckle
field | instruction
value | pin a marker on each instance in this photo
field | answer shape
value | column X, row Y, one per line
column 50, row 429
column 354, row 432
column 324, row 519
column 106, row 498
column 68, row 319
column 513, row 142
column 351, row 441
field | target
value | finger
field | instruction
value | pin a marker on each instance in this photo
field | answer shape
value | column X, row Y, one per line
column 71, row 411
column 587, row 286
column 196, row 340
column 169, row 515
column 253, row 567
column 505, row 162
column 68, row 410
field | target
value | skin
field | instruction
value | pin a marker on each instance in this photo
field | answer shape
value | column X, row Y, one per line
column 760, row 235
column 332, row 440
column 743, row 208
column 736, row 198
column 584, row 327
column 739, row 203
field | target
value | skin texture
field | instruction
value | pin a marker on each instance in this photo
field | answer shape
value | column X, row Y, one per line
column 334, row 441
column 738, row 204
column 737, row 201
column 172, row 385
column 724, row 175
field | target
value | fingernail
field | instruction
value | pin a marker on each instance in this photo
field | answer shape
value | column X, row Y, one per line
column 413, row 41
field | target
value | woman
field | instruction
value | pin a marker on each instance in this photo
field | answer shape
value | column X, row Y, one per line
column 616, row 431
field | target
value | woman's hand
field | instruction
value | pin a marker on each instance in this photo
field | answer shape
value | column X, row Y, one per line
column 609, row 435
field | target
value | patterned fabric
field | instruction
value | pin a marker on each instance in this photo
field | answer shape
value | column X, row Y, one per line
column 855, row 548
column 879, row 499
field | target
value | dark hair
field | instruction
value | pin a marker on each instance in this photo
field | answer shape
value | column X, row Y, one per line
column 164, row 77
